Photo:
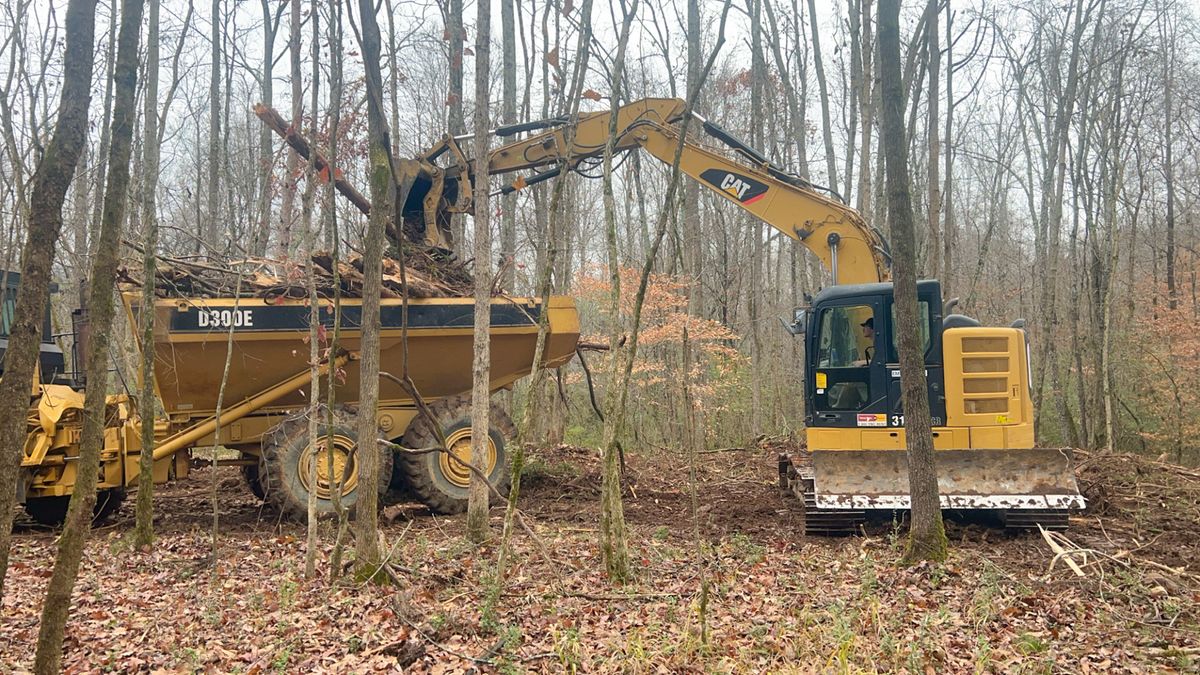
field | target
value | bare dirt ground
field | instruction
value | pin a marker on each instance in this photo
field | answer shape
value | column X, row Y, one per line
column 778, row 602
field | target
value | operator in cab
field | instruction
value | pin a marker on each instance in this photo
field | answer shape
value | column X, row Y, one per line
column 868, row 331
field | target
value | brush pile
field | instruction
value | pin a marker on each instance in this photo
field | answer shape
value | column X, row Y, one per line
column 427, row 274
column 1154, row 497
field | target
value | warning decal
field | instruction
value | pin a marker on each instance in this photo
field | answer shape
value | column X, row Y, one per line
column 872, row 420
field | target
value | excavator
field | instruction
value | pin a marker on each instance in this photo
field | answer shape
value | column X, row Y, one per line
column 853, row 463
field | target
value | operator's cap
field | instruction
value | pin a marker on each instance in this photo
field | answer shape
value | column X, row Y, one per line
column 869, row 323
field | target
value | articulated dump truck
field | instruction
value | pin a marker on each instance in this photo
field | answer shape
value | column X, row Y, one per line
column 266, row 397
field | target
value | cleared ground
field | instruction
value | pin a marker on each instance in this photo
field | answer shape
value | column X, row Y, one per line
column 778, row 602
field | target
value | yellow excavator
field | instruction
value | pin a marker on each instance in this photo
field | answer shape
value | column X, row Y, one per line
column 854, row 462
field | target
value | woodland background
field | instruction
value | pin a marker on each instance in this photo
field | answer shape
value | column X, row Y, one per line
column 1053, row 155
column 1053, row 162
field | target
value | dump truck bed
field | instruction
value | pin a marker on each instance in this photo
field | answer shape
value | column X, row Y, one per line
column 269, row 343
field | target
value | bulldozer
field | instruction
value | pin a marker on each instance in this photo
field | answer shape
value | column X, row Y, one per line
column 260, row 416
column 854, row 463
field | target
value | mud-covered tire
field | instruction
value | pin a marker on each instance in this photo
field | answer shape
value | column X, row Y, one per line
column 254, row 481
column 423, row 474
column 52, row 511
column 283, row 480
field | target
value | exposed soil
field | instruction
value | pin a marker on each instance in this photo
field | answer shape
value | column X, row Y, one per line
column 776, row 600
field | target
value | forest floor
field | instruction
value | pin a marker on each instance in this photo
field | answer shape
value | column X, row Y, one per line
column 778, row 602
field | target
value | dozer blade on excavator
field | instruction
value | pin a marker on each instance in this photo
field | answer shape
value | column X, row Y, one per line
column 1028, row 487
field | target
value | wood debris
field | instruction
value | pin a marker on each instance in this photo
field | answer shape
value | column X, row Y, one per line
column 426, row 274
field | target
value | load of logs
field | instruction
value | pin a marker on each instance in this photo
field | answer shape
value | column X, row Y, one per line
column 419, row 272
column 425, row 273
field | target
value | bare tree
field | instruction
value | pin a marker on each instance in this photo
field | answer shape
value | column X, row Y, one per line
column 478, row 496
column 271, row 17
column 826, row 125
column 508, row 115
column 287, row 215
column 212, row 219
column 50, row 183
column 383, row 199
column 927, row 537
column 933, row 131
column 613, row 544
column 100, row 311
column 456, row 33
column 144, row 531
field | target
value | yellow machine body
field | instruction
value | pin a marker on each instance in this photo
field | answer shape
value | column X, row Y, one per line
column 268, row 352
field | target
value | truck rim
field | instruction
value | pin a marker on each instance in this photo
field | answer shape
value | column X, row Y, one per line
column 343, row 453
column 455, row 469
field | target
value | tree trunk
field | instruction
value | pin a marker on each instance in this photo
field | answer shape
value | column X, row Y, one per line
column 262, row 233
column 1169, row 175
column 50, row 183
column 457, row 35
column 478, row 494
column 100, row 309
column 144, row 530
column 867, row 99
column 927, row 537
column 508, row 115
column 933, row 136
column 102, row 152
column 212, row 218
column 948, row 235
column 826, row 125
column 312, row 235
column 613, row 542
column 383, row 197
column 853, row 106
column 287, row 214
column 535, row 415
column 693, row 244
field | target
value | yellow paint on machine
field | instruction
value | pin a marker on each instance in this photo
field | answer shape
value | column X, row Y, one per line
column 988, row 405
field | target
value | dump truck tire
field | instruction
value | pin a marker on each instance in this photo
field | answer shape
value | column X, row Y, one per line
column 432, row 477
column 52, row 511
column 254, row 481
column 285, row 481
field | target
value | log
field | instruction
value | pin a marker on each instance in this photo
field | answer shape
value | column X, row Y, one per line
column 275, row 121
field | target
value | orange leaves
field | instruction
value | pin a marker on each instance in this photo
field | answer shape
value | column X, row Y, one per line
column 552, row 57
column 592, row 95
column 664, row 318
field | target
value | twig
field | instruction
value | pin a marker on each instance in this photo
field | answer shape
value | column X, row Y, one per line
column 1060, row 553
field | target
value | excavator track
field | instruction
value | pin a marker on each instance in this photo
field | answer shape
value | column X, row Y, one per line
column 796, row 472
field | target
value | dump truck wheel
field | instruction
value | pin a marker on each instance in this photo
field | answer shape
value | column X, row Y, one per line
column 254, row 481
column 288, row 474
column 439, row 481
column 52, row 511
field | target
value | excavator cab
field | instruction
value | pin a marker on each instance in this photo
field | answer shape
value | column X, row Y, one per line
column 853, row 356
column 980, row 409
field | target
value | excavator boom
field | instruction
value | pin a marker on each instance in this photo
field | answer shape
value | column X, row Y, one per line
column 851, row 250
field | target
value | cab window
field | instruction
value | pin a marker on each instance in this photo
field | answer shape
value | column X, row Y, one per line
column 7, row 311
column 842, row 341
column 923, row 324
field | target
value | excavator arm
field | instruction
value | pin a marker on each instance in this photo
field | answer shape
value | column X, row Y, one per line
column 849, row 248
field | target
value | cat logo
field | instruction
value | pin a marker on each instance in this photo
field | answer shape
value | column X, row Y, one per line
column 742, row 189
